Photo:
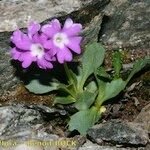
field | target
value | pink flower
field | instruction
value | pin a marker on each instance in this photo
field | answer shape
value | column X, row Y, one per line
column 29, row 47
column 62, row 40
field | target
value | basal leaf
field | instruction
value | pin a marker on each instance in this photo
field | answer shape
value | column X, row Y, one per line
column 35, row 86
column 92, row 58
column 91, row 87
column 83, row 120
column 140, row 64
column 102, row 73
column 117, row 63
column 85, row 100
column 64, row 100
column 72, row 79
column 67, row 89
column 113, row 88
column 101, row 91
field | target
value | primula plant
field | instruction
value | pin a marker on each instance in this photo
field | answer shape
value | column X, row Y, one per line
column 89, row 86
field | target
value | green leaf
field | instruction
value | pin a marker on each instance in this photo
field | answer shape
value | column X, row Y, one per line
column 83, row 120
column 102, row 72
column 101, row 85
column 140, row 64
column 64, row 100
column 113, row 88
column 117, row 63
column 91, row 87
column 101, row 91
column 69, row 89
column 71, row 75
column 85, row 100
column 92, row 58
column 79, row 77
column 37, row 87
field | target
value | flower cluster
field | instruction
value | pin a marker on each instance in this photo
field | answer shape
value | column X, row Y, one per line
column 47, row 43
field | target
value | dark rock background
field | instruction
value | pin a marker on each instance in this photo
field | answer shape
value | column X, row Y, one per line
column 126, row 24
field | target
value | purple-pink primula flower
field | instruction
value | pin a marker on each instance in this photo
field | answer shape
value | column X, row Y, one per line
column 29, row 47
column 63, row 40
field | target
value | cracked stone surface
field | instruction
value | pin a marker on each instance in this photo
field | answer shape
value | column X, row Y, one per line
column 119, row 132
column 23, row 125
column 17, row 13
column 144, row 118
column 19, row 121
column 126, row 24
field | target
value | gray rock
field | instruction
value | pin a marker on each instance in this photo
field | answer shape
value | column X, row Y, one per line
column 25, row 127
column 92, row 146
column 144, row 118
column 23, row 146
column 22, row 11
column 87, row 12
column 147, row 147
column 22, row 122
column 126, row 24
column 7, row 79
column 119, row 132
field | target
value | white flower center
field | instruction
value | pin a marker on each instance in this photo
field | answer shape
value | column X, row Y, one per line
column 60, row 39
column 37, row 50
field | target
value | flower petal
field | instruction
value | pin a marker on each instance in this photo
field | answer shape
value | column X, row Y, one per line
column 64, row 55
column 36, row 38
column 48, row 30
column 52, row 28
column 21, row 40
column 26, row 64
column 42, row 63
column 56, row 24
column 15, row 53
column 43, row 38
column 26, row 59
column 50, row 46
column 39, row 38
column 74, row 30
column 68, row 23
column 25, row 56
column 74, row 44
column 48, row 56
column 33, row 28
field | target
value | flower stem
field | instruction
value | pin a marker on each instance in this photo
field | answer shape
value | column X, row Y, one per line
column 98, row 101
column 70, row 78
column 67, row 72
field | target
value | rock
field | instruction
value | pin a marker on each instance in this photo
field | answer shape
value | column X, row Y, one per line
column 26, row 147
column 147, row 147
column 23, row 11
column 28, row 126
column 144, row 118
column 77, row 141
column 20, row 121
column 92, row 146
column 7, row 79
column 119, row 132
column 42, row 11
column 126, row 24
